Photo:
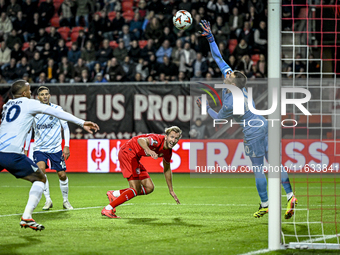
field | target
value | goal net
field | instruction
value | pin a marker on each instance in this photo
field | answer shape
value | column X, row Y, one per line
column 311, row 150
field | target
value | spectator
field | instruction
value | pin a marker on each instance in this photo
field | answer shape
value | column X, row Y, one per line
column 155, row 5
column 9, row 71
column 22, row 67
column 17, row 53
column 99, row 78
column 251, row 17
column 110, row 5
column 184, row 5
column 247, row 34
column 200, row 66
column 36, row 66
column 54, row 37
column 5, row 55
column 33, row 27
column 187, row 56
column 136, row 26
column 241, row 50
column 153, row 66
column 135, row 51
column 117, row 24
column 66, row 17
column 147, row 19
column 182, row 77
column 126, row 36
column 258, row 6
column 105, row 53
column 61, row 78
column 47, row 53
column 96, row 69
column 138, row 77
column 224, row 50
column 82, row 39
column 20, row 25
column 221, row 30
column 242, row 6
column 46, row 12
column 13, row 9
column 28, row 9
column 116, row 71
column 89, row 55
column 120, row 52
column 129, row 68
column 298, row 66
column 12, row 39
column 41, row 37
column 148, row 50
column 142, row 68
column 142, row 9
column 51, row 71
column 3, row 6
column 313, row 67
column 169, row 69
column 29, row 52
column 260, row 38
column 61, row 50
column 74, row 53
column 78, row 68
column 245, row 65
column 176, row 52
column 5, row 26
column 42, row 78
column 153, row 31
column 197, row 130
column 66, row 68
column 261, row 67
column 107, row 27
column 168, row 35
column 219, row 8
column 96, row 26
column 164, row 50
column 84, row 8
column 235, row 23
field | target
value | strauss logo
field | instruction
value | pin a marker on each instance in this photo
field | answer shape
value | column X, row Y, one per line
column 98, row 155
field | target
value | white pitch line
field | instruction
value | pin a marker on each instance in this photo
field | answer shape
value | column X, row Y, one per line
column 256, row 252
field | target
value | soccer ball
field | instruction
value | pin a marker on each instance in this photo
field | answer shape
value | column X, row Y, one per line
column 182, row 20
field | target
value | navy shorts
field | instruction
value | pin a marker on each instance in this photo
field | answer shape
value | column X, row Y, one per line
column 56, row 159
column 17, row 164
column 257, row 147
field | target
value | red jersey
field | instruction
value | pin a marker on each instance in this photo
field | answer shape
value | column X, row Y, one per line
column 156, row 143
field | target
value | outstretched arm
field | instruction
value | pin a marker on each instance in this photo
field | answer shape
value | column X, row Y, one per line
column 224, row 67
column 168, row 178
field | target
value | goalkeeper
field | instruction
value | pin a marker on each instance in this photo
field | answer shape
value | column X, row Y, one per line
column 255, row 136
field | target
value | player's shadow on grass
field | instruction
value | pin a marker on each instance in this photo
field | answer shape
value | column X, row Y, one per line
column 49, row 216
column 29, row 241
column 152, row 222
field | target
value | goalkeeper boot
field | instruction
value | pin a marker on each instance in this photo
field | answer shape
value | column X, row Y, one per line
column 262, row 211
column 30, row 223
column 291, row 204
column 109, row 213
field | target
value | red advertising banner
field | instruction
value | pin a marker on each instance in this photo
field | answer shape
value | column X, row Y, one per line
column 101, row 156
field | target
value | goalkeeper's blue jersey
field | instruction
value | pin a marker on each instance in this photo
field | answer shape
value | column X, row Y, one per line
column 254, row 126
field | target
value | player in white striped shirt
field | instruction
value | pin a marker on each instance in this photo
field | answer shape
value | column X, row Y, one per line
column 47, row 146
column 17, row 118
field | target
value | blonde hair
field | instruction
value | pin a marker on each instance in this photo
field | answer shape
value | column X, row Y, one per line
column 173, row 128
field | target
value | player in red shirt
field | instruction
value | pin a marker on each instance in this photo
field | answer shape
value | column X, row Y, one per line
column 148, row 145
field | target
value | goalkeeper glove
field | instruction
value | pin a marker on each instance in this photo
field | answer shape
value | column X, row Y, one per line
column 205, row 25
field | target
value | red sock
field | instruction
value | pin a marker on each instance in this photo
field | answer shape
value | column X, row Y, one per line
column 143, row 191
column 125, row 196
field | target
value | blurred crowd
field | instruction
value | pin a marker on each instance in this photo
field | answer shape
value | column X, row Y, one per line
column 64, row 41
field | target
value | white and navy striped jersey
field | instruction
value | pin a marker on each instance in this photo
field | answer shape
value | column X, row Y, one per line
column 17, row 119
column 47, row 132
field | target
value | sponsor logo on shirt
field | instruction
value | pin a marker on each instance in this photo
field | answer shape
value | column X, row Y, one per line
column 44, row 126
column 153, row 142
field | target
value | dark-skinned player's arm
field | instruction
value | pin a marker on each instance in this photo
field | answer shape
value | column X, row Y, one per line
column 168, row 178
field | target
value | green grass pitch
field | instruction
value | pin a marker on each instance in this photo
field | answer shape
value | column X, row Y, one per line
column 214, row 217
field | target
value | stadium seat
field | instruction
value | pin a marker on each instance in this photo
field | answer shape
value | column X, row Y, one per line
column 56, row 6
column 25, row 46
column 55, row 22
column 142, row 43
column 48, row 29
column 127, row 6
column 128, row 15
column 77, row 29
column 255, row 58
column 69, row 44
column 74, row 36
column 232, row 45
column 64, row 32
column 113, row 44
column 111, row 15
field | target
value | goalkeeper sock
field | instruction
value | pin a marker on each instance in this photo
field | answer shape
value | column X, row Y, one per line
column 260, row 178
column 285, row 181
column 125, row 196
